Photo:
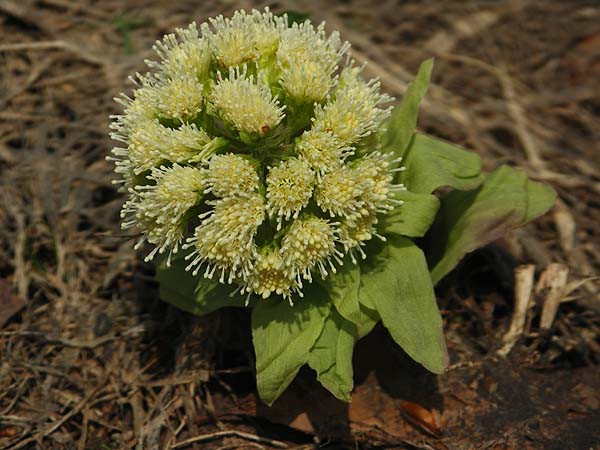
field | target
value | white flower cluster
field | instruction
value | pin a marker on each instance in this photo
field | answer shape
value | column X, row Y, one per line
column 252, row 145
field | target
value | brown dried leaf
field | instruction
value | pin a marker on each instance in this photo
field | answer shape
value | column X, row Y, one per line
column 426, row 420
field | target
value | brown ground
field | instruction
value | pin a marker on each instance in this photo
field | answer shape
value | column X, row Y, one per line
column 90, row 358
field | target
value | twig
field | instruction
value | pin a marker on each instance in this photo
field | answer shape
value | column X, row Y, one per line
column 517, row 113
column 33, row 76
column 229, row 433
column 57, row 424
column 565, row 224
column 84, row 430
column 8, row 115
column 445, row 40
column 83, row 54
column 523, row 289
column 20, row 265
column 192, row 377
column 176, row 432
column 471, row 25
column 555, row 279
column 57, row 340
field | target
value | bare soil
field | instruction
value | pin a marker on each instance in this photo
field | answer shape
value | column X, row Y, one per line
column 90, row 358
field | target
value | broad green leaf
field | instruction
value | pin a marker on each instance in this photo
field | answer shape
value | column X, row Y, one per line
column 283, row 336
column 396, row 280
column 432, row 164
column 194, row 294
column 469, row 220
column 331, row 356
column 401, row 125
column 414, row 217
column 540, row 198
column 370, row 319
column 343, row 290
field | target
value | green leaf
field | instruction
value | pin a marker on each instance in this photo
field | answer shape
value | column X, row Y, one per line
column 343, row 289
column 431, row 164
column 469, row 220
column 371, row 318
column 540, row 198
column 194, row 294
column 414, row 217
column 401, row 125
column 331, row 356
column 396, row 280
column 283, row 336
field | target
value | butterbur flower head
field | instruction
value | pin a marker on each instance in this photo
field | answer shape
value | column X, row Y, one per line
column 253, row 146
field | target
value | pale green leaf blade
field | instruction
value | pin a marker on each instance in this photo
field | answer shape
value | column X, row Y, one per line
column 370, row 319
column 413, row 218
column 469, row 220
column 396, row 280
column 401, row 125
column 331, row 356
column 194, row 294
column 431, row 164
column 343, row 290
column 283, row 336
column 540, row 198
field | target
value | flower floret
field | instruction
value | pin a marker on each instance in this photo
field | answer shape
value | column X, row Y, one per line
column 149, row 143
column 184, row 51
column 289, row 188
column 224, row 240
column 244, row 38
column 177, row 97
column 270, row 277
column 158, row 209
column 340, row 194
column 354, row 234
column 354, row 113
column 246, row 103
column 310, row 242
column 322, row 150
column 307, row 61
column 231, row 175
column 376, row 175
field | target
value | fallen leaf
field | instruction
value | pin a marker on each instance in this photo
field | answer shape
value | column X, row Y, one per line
column 426, row 420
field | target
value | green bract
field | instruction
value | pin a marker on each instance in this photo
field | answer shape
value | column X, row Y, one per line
column 268, row 173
